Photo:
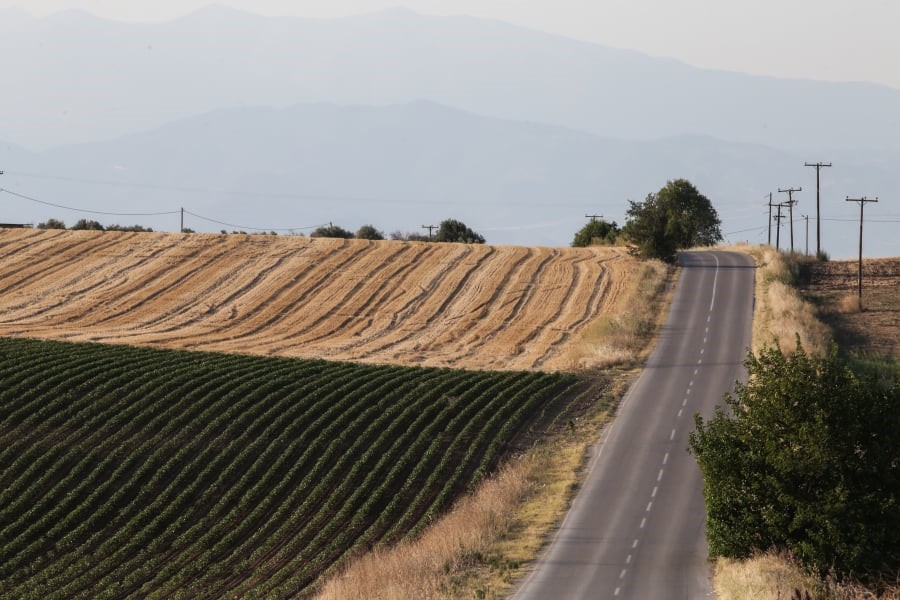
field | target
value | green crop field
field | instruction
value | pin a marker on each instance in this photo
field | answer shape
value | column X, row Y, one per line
column 140, row 472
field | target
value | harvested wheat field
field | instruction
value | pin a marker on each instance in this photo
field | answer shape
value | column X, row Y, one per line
column 457, row 305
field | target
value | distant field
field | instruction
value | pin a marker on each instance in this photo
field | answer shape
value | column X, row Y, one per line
column 154, row 473
column 457, row 305
column 833, row 286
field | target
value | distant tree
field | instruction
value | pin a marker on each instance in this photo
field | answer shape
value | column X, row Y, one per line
column 596, row 232
column 806, row 459
column 676, row 217
column 85, row 225
column 409, row 236
column 368, row 232
column 331, row 231
column 52, row 224
column 134, row 228
column 452, row 230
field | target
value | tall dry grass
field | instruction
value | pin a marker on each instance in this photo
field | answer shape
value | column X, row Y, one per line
column 623, row 335
column 430, row 566
column 780, row 314
column 776, row 577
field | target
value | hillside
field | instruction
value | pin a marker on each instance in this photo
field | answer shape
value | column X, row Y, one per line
column 117, row 78
column 484, row 307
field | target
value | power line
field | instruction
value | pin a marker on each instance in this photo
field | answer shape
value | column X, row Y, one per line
column 193, row 214
column 83, row 210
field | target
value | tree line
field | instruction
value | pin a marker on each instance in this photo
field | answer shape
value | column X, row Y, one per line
column 450, row 230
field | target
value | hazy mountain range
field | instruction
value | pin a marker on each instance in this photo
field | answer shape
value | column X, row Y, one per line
column 396, row 119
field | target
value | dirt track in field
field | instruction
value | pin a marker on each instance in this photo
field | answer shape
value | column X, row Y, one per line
column 472, row 306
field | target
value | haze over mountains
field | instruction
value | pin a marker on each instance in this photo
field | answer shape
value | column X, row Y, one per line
column 396, row 118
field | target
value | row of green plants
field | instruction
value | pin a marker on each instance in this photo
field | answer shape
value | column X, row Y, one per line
column 135, row 471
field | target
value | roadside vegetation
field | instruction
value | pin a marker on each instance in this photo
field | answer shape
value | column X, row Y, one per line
column 130, row 471
column 812, row 439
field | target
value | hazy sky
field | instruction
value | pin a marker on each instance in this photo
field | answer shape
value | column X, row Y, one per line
column 836, row 40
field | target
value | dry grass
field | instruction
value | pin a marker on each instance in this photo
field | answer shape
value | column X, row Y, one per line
column 847, row 304
column 623, row 336
column 780, row 314
column 478, row 549
column 775, row 577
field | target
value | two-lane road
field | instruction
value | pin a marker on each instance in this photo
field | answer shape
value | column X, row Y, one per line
column 636, row 528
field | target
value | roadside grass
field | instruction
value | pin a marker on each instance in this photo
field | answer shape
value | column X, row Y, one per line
column 780, row 315
column 624, row 337
column 772, row 576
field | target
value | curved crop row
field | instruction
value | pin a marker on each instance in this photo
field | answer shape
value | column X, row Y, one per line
column 156, row 473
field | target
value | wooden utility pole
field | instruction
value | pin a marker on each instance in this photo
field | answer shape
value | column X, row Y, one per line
column 806, row 218
column 862, row 203
column 778, row 218
column 593, row 217
column 770, row 218
column 818, row 167
column 430, row 228
column 790, row 203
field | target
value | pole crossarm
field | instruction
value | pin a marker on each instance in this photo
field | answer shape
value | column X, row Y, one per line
column 430, row 228
column 862, row 203
column 593, row 217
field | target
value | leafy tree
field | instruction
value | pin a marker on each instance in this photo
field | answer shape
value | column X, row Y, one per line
column 331, row 231
column 409, row 236
column 452, row 230
column 85, row 225
column 369, row 232
column 52, row 224
column 596, row 232
column 135, row 228
column 676, row 217
column 807, row 461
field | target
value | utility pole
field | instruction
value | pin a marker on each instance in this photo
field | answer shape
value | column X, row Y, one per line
column 182, row 221
column 806, row 218
column 430, row 228
column 862, row 203
column 791, row 202
column 593, row 217
column 778, row 218
column 818, row 167
column 770, row 218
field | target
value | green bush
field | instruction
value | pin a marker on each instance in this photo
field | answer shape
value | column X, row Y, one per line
column 596, row 232
column 808, row 460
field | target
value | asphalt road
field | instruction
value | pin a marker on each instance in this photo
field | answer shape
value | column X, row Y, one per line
column 636, row 527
